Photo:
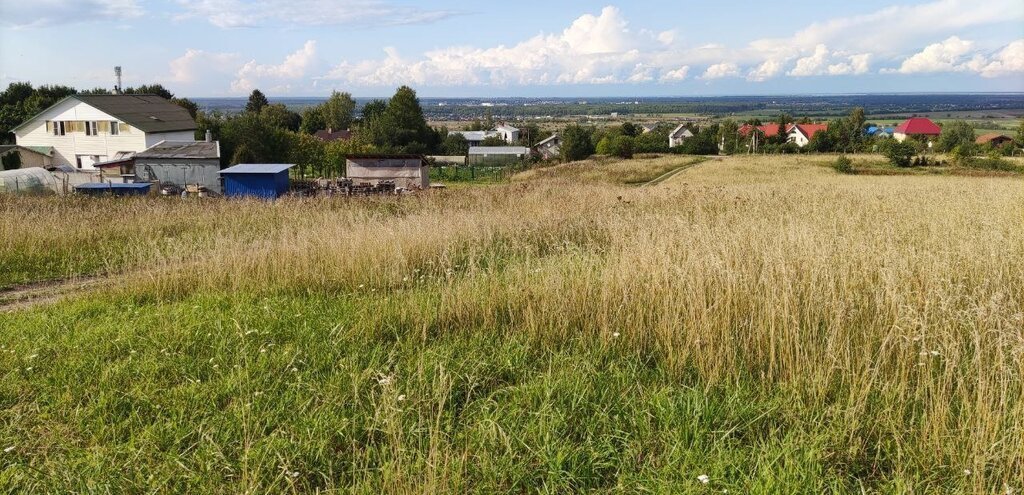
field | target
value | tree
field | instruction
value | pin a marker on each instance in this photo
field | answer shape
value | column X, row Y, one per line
column 455, row 145
column 337, row 111
column 257, row 100
column 604, row 146
column 374, row 109
column 622, row 146
column 899, row 154
column 855, row 127
column 312, row 119
column 630, row 129
column 1020, row 133
column 307, row 153
column 277, row 115
column 576, row 143
column 402, row 127
column 957, row 134
column 150, row 89
column 187, row 104
column 11, row 160
column 493, row 141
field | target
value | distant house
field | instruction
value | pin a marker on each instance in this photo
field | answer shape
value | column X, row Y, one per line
column 995, row 140
column 505, row 132
column 549, row 148
column 474, row 138
column 508, row 133
column 917, row 126
column 35, row 156
column 182, row 163
column 85, row 129
column 877, row 131
column 497, row 155
column 678, row 135
column 328, row 135
column 407, row 171
column 264, row 180
column 801, row 134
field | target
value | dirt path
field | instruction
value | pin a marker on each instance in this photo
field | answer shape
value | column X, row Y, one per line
column 26, row 296
column 672, row 173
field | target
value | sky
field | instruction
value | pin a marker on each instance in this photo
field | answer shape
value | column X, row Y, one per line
column 449, row 48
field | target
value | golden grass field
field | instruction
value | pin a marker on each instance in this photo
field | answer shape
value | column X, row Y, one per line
column 765, row 321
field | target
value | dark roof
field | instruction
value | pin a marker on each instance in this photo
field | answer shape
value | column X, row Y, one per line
column 992, row 136
column 149, row 113
column 182, row 150
column 258, row 168
column 329, row 135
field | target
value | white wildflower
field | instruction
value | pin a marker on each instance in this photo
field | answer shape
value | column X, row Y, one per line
column 616, row 334
column 401, row 397
column 935, row 353
column 262, row 351
column 295, row 370
column 384, row 380
column 967, row 472
column 8, row 450
column 705, row 479
column 28, row 369
column 33, row 356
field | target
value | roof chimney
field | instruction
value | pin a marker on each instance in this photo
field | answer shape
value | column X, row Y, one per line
column 209, row 136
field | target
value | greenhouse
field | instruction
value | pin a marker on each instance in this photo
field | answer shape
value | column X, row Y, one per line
column 33, row 180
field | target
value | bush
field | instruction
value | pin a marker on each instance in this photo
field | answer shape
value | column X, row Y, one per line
column 843, row 165
column 622, row 147
column 900, row 154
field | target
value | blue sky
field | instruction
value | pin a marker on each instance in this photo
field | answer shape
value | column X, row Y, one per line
column 525, row 48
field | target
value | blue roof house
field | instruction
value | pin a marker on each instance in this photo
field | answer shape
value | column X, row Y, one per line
column 258, row 180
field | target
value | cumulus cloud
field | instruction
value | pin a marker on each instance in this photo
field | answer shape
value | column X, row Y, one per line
column 824, row 62
column 1009, row 60
column 718, row 71
column 197, row 64
column 958, row 55
column 251, row 13
column 294, row 67
column 40, row 13
column 947, row 56
column 594, row 49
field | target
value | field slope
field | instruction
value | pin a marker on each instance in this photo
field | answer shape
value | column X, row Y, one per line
column 763, row 322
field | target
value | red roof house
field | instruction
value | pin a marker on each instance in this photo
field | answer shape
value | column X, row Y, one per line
column 917, row 126
column 800, row 134
column 328, row 135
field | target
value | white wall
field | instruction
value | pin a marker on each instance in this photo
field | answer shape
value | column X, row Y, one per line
column 103, row 145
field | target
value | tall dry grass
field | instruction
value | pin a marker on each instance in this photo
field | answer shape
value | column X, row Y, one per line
column 892, row 308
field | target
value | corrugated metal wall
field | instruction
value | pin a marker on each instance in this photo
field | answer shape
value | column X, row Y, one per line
column 267, row 186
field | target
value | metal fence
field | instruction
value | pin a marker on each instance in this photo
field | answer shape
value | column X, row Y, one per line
column 473, row 174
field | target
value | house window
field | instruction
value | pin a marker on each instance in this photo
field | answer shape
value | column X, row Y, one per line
column 90, row 128
column 58, row 127
column 114, row 130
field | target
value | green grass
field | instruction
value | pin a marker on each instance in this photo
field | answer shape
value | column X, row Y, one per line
column 762, row 320
column 289, row 393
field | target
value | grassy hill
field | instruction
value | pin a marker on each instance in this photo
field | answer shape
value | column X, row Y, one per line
column 762, row 321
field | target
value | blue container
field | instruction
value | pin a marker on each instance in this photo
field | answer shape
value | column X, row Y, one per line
column 102, row 188
column 262, row 180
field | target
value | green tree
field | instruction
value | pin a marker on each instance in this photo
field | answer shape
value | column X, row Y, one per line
column 855, row 126
column 338, row 110
column 957, row 134
column 373, row 109
column 630, row 129
column 455, row 145
column 899, row 154
column 312, row 119
column 402, row 126
column 308, row 154
column 150, row 89
column 257, row 100
column 622, row 146
column 1020, row 133
column 604, row 146
column 493, row 141
column 187, row 104
column 576, row 144
column 279, row 116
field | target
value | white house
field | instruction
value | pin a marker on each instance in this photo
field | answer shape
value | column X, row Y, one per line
column 801, row 134
column 474, row 138
column 678, row 135
column 508, row 133
column 85, row 129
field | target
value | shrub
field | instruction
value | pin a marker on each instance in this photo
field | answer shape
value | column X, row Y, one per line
column 900, row 154
column 843, row 165
column 622, row 147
